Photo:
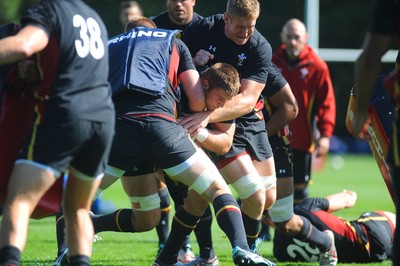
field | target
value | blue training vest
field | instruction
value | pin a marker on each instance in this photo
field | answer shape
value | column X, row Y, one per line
column 140, row 59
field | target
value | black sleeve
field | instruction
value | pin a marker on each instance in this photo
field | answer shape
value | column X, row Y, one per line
column 42, row 15
column 258, row 69
column 185, row 61
column 312, row 204
column 275, row 81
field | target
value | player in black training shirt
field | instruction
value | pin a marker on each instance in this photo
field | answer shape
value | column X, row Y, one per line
column 249, row 165
column 178, row 16
column 74, row 122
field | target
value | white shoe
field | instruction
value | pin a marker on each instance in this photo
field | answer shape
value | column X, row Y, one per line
column 186, row 254
column 330, row 257
column 243, row 257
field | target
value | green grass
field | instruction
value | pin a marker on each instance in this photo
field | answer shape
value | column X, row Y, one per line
column 358, row 173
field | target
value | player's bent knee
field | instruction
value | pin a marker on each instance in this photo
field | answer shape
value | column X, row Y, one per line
column 269, row 181
column 282, row 210
column 247, row 185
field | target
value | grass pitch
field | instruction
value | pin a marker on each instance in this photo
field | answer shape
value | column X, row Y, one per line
column 351, row 172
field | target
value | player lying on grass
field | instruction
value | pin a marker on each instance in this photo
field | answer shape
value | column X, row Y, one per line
column 367, row 239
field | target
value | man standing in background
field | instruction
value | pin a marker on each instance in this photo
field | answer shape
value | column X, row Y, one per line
column 309, row 78
column 128, row 10
column 178, row 16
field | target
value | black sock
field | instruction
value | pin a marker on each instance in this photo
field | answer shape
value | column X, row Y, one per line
column 229, row 219
column 185, row 242
column 312, row 235
column 252, row 228
column 203, row 235
column 60, row 233
column 79, row 260
column 163, row 227
column 118, row 221
column 182, row 225
column 10, row 255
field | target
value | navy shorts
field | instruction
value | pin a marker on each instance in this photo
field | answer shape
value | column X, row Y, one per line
column 250, row 136
column 380, row 234
column 283, row 157
column 143, row 143
column 82, row 144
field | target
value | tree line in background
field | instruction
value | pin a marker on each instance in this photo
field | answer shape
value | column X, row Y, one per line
column 343, row 24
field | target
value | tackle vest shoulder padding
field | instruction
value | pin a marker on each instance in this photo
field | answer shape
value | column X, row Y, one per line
column 140, row 60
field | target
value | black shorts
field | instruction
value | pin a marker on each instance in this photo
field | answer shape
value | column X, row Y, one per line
column 380, row 234
column 301, row 167
column 84, row 145
column 251, row 137
column 143, row 143
column 283, row 157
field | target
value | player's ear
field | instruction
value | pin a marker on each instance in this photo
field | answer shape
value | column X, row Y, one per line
column 226, row 17
column 205, row 83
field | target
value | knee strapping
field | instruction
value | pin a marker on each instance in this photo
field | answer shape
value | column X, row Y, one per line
column 146, row 203
column 269, row 181
column 247, row 185
column 282, row 210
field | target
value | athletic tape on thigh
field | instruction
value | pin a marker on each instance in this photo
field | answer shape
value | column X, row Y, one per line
column 282, row 210
column 247, row 185
column 204, row 180
column 269, row 181
column 177, row 169
column 114, row 171
column 81, row 176
column 147, row 203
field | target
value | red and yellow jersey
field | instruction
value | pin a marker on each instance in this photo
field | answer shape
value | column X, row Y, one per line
column 312, row 86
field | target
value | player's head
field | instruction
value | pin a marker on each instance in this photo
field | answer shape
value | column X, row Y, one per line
column 140, row 22
column 129, row 10
column 180, row 12
column 294, row 36
column 221, row 82
column 240, row 20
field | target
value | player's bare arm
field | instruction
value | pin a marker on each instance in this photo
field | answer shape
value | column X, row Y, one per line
column 241, row 104
column 32, row 39
column 286, row 110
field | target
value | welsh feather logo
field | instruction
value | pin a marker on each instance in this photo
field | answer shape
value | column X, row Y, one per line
column 241, row 58
column 212, row 48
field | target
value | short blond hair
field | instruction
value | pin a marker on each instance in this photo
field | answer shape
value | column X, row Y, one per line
column 243, row 8
column 222, row 75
